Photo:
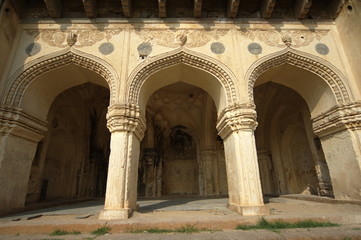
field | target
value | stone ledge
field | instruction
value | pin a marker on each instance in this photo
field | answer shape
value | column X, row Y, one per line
column 107, row 214
column 249, row 210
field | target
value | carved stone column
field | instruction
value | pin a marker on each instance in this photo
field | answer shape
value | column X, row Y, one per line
column 265, row 167
column 127, row 128
column 236, row 126
column 19, row 136
column 339, row 130
column 208, row 157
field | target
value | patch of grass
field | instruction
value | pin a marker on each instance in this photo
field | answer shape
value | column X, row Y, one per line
column 59, row 232
column 101, row 231
column 277, row 225
column 356, row 229
column 185, row 229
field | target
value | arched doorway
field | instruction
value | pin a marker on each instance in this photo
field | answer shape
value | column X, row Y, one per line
column 290, row 156
column 59, row 106
column 71, row 162
column 180, row 153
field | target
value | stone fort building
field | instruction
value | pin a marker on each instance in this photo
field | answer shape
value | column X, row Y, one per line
column 148, row 98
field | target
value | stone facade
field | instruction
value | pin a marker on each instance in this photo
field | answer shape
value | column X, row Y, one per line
column 143, row 107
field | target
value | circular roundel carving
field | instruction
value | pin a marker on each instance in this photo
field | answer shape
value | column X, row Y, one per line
column 106, row 48
column 32, row 49
column 144, row 49
column 254, row 48
column 322, row 49
column 217, row 48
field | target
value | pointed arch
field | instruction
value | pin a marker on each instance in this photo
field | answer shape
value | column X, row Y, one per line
column 23, row 77
column 325, row 70
column 193, row 59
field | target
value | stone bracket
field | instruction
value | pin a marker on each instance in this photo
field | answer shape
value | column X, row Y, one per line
column 54, row 8
column 337, row 119
column 267, row 8
column 127, row 8
column 126, row 117
column 90, row 7
column 237, row 117
column 14, row 121
column 302, row 8
column 232, row 8
column 197, row 8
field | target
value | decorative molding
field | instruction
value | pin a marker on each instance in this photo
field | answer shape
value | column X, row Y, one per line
column 174, row 39
column 19, row 81
column 334, row 78
column 15, row 122
column 237, row 117
column 273, row 38
column 85, row 38
column 126, row 117
column 187, row 57
column 338, row 118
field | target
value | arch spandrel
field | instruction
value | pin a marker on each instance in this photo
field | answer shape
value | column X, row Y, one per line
column 189, row 58
column 318, row 66
column 24, row 76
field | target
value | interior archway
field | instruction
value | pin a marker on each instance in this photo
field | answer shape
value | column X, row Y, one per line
column 291, row 158
column 180, row 153
column 71, row 161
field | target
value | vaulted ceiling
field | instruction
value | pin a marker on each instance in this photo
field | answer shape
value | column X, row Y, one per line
column 267, row 9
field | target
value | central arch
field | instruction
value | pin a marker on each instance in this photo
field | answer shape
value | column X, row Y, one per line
column 190, row 60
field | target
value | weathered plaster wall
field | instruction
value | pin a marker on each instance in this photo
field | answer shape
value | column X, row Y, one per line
column 349, row 29
column 8, row 30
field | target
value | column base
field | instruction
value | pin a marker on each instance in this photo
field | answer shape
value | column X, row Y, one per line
column 108, row 214
column 249, row 210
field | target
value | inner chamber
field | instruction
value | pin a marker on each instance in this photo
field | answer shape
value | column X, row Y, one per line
column 181, row 153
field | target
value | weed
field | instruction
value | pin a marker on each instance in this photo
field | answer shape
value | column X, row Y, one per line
column 101, row 231
column 277, row 225
column 185, row 229
column 59, row 232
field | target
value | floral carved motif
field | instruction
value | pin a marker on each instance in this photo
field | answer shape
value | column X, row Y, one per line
column 173, row 39
column 237, row 117
column 85, row 38
column 343, row 116
column 273, row 38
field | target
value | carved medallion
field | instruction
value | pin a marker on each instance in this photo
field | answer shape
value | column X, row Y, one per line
column 144, row 49
column 217, row 48
column 254, row 48
column 32, row 49
column 106, row 48
column 322, row 49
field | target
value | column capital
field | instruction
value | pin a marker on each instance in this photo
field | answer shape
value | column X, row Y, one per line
column 237, row 117
column 14, row 121
column 126, row 117
column 338, row 118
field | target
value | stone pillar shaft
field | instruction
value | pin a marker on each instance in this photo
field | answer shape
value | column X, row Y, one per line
column 127, row 128
column 339, row 130
column 19, row 136
column 236, row 126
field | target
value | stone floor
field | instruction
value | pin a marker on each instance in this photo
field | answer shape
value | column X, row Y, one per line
column 210, row 213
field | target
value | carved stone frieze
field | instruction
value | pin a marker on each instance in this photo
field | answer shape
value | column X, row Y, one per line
column 14, row 121
column 126, row 117
column 274, row 38
column 237, row 117
column 25, row 75
column 318, row 66
column 173, row 39
column 85, row 38
column 338, row 118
